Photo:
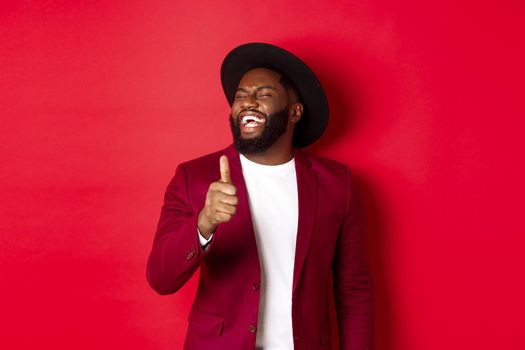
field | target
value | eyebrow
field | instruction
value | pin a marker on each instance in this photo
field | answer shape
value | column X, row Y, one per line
column 258, row 88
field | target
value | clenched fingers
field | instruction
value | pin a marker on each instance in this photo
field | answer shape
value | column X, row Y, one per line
column 227, row 199
column 225, row 208
column 223, row 187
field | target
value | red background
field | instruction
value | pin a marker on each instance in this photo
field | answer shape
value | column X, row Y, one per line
column 100, row 100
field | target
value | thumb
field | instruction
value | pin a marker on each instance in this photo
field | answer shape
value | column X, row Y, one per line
column 225, row 170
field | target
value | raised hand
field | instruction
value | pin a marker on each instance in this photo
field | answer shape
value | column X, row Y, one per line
column 221, row 201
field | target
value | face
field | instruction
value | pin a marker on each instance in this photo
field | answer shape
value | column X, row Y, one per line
column 260, row 111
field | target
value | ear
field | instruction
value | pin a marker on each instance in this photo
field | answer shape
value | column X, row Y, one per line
column 296, row 112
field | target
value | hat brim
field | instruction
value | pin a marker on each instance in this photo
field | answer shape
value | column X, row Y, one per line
column 255, row 55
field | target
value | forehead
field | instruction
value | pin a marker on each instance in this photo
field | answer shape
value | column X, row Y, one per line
column 260, row 76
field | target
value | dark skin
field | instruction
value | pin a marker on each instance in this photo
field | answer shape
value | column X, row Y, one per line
column 259, row 93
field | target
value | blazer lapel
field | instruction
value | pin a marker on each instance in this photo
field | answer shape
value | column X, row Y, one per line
column 307, row 198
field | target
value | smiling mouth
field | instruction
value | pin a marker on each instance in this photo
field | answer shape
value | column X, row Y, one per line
column 252, row 120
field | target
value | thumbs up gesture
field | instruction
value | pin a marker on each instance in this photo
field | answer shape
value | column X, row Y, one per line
column 221, row 201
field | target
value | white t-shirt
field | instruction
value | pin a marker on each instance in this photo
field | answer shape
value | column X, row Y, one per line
column 272, row 194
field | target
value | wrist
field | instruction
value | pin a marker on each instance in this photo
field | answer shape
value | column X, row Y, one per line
column 205, row 227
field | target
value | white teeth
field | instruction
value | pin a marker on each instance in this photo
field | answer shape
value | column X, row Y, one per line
column 252, row 119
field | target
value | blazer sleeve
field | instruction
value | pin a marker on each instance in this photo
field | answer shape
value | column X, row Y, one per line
column 176, row 252
column 353, row 286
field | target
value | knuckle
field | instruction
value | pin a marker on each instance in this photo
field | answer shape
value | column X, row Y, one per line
column 220, row 218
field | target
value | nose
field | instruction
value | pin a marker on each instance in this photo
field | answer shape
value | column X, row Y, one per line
column 249, row 101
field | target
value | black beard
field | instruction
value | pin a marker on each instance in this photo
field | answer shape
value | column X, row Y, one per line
column 276, row 125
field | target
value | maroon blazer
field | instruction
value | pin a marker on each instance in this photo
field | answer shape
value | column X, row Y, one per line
column 329, row 242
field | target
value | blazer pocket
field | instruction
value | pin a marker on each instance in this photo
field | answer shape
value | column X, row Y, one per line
column 205, row 323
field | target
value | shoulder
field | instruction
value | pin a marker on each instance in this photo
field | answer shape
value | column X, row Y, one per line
column 205, row 161
column 192, row 177
column 204, row 169
column 333, row 177
column 324, row 166
column 334, row 182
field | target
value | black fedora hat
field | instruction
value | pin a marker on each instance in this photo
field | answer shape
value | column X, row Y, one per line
column 255, row 55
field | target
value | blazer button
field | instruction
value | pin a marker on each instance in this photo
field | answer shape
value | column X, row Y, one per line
column 252, row 328
column 255, row 286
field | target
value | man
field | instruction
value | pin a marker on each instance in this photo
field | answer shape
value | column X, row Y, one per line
column 267, row 224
